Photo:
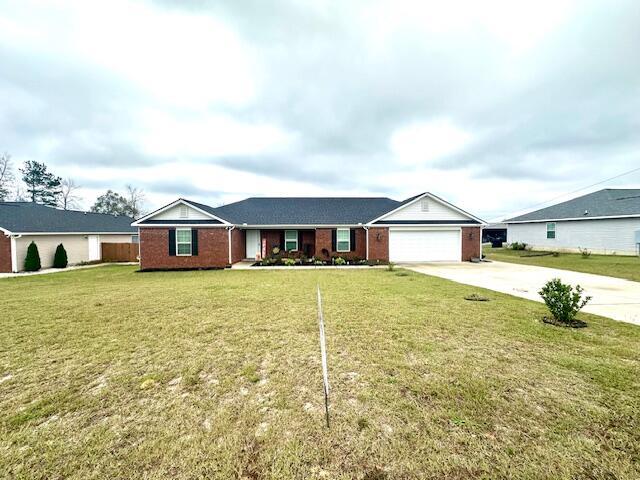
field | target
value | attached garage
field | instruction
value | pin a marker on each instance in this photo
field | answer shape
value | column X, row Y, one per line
column 425, row 245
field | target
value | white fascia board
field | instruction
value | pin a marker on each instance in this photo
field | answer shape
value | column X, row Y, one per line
column 185, row 225
column 5, row 231
column 428, row 225
column 572, row 219
column 73, row 233
column 298, row 227
column 432, row 197
column 173, row 204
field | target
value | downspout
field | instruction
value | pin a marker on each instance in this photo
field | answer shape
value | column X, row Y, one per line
column 230, row 256
column 366, row 234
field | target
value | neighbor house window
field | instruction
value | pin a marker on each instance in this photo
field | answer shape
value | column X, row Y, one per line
column 135, row 239
column 551, row 230
column 183, row 241
column 343, row 239
column 291, row 240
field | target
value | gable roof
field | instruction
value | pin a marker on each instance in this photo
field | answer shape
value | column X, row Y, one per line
column 28, row 217
column 305, row 210
column 610, row 202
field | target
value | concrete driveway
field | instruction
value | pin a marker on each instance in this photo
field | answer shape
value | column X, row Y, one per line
column 612, row 297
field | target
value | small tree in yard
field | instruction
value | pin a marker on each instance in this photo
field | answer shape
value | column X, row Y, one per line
column 563, row 300
column 32, row 260
column 60, row 258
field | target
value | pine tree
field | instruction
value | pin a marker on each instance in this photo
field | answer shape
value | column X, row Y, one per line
column 32, row 261
column 60, row 257
column 42, row 186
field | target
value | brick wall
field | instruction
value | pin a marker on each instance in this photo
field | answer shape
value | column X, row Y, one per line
column 379, row 244
column 238, row 246
column 213, row 250
column 470, row 243
column 5, row 253
column 323, row 241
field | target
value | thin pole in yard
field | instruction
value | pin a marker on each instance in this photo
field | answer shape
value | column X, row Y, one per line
column 323, row 353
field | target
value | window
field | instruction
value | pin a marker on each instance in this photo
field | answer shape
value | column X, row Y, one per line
column 424, row 205
column 343, row 239
column 183, row 241
column 135, row 239
column 184, row 211
column 291, row 240
column 551, row 230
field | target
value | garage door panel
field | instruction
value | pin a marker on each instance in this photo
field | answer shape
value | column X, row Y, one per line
column 424, row 245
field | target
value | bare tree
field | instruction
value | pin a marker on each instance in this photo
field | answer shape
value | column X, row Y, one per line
column 69, row 198
column 136, row 200
column 6, row 175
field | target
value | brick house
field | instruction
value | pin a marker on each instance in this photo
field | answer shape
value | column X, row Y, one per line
column 423, row 228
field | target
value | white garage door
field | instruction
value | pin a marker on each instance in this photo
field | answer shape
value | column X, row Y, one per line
column 425, row 245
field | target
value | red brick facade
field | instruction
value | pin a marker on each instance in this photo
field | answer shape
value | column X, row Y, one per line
column 323, row 241
column 379, row 244
column 238, row 246
column 5, row 254
column 470, row 243
column 213, row 250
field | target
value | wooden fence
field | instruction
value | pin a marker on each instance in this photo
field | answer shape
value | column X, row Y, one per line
column 120, row 252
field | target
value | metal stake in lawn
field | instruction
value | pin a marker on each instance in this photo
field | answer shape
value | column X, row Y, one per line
column 323, row 352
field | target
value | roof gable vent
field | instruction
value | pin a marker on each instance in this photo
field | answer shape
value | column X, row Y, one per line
column 424, row 205
column 184, row 211
column 586, row 212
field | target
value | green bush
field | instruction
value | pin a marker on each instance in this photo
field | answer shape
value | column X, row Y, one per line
column 340, row 261
column 32, row 260
column 563, row 300
column 289, row 262
column 391, row 266
column 585, row 252
column 518, row 246
column 60, row 258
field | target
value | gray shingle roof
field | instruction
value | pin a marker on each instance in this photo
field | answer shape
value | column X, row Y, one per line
column 27, row 217
column 303, row 210
column 609, row 202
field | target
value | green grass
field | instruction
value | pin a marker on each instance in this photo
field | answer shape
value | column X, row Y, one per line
column 107, row 373
column 609, row 265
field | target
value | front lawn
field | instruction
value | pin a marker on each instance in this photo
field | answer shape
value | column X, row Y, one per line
column 107, row 373
column 610, row 265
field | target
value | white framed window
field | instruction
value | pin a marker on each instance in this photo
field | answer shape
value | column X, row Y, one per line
column 291, row 240
column 343, row 240
column 551, row 230
column 184, row 211
column 424, row 205
column 135, row 239
column 183, row 241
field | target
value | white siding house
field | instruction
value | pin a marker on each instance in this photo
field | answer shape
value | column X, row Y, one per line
column 604, row 222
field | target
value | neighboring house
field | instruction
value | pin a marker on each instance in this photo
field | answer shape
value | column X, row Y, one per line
column 606, row 222
column 81, row 233
column 495, row 234
column 186, row 234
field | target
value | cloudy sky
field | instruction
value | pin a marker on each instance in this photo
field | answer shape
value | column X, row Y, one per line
column 493, row 105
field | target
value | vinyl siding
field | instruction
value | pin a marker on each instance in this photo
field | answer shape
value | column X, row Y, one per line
column 600, row 236
column 437, row 211
column 77, row 247
column 174, row 214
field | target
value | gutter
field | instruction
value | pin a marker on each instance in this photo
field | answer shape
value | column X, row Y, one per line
column 229, row 229
column 14, row 252
column 366, row 236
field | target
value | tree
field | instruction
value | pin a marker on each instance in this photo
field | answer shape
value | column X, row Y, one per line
column 42, row 186
column 60, row 258
column 136, row 200
column 6, row 176
column 32, row 260
column 115, row 204
column 68, row 197
column 112, row 203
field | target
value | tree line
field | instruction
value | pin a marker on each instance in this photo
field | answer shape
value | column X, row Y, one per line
column 39, row 185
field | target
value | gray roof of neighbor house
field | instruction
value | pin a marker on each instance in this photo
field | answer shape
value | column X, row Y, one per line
column 303, row 210
column 610, row 202
column 28, row 217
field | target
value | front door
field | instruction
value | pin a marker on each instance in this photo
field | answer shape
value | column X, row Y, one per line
column 253, row 243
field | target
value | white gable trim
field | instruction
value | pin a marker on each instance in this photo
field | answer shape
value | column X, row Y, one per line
column 173, row 204
column 6, row 232
column 434, row 198
column 571, row 219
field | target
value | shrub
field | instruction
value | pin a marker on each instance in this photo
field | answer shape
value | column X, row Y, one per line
column 275, row 250
column 340, row 261
column 32, row 260
column 60, row 258
column 391, row 267
column 563, row 300
column 586, row 253
column 289, row 262
column 518, row 246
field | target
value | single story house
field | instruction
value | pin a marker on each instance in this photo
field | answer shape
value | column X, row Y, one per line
column 81, row 233
column 423, row 228
column 604, row 222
